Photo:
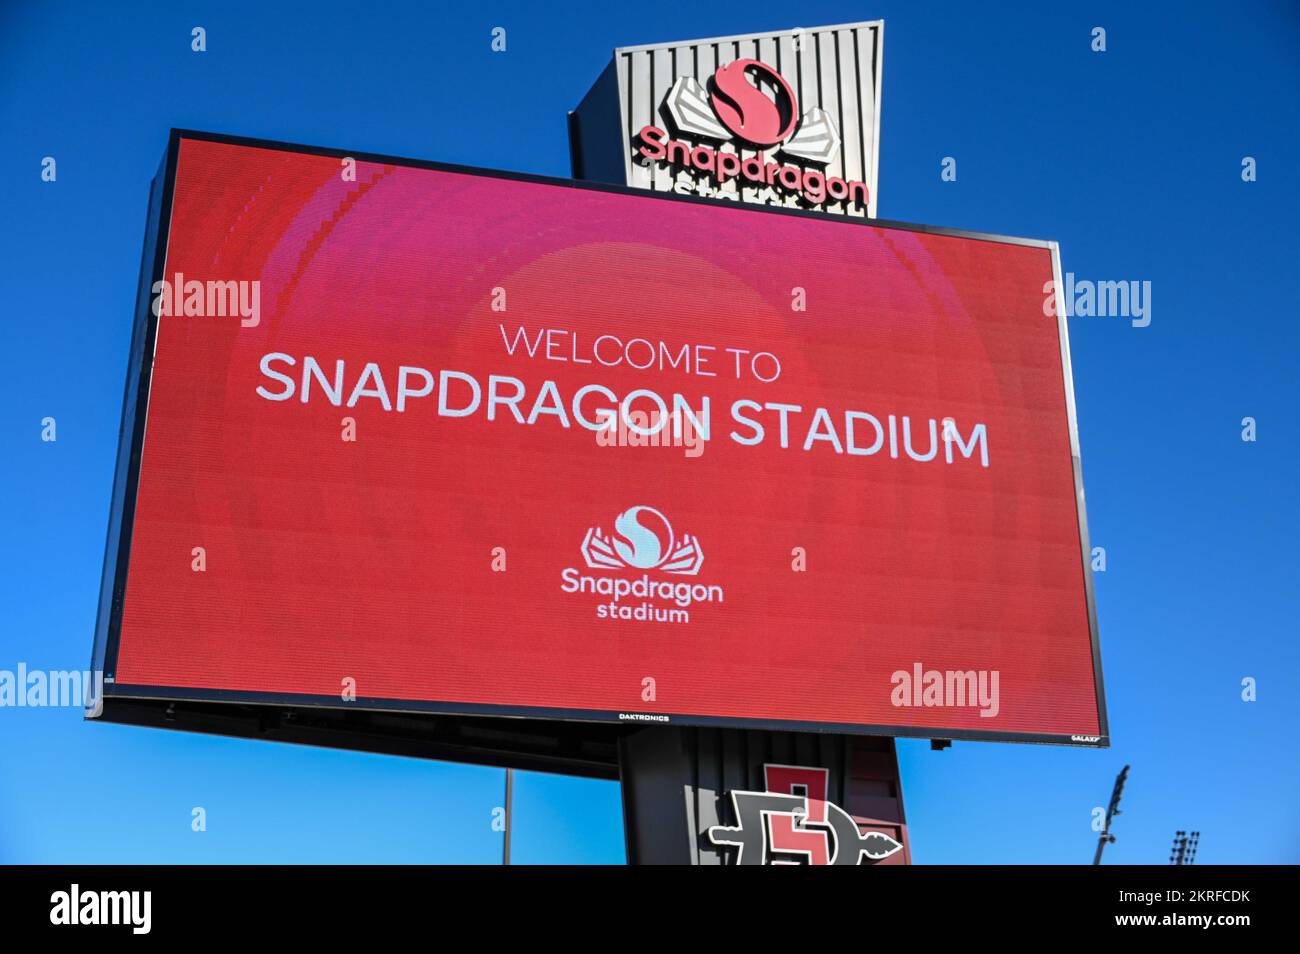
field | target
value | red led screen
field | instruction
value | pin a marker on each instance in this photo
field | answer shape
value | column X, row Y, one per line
column 475, row 443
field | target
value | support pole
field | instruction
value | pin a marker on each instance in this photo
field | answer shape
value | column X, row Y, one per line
column 1111, row 811
column 510, row 791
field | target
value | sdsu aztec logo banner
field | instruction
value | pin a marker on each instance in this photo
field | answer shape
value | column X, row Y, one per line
column 793, row 823
column 751, row 105
column 643, row 539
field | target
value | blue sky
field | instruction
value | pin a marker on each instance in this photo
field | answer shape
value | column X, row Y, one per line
column 1130, row 158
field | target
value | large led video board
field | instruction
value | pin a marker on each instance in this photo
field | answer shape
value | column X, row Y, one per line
column 415, row 437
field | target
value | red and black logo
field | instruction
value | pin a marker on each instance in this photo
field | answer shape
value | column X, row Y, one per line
column 740, row 98
column 750, row 107
column 792, row 823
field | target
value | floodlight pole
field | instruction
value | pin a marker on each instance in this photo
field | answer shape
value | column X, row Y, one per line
column 1184, row 850
column 1111, row 811
column 510, row 791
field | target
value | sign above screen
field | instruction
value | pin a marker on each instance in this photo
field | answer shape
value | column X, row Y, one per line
column 426, row 438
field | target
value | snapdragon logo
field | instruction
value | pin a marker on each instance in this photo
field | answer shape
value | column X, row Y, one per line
column 748, row 105
column 643, row 539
